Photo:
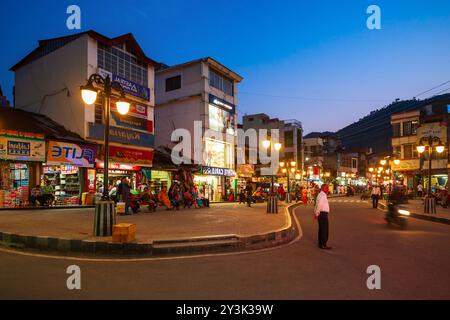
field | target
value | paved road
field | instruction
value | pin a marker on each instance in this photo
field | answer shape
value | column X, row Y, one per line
column 414, row 264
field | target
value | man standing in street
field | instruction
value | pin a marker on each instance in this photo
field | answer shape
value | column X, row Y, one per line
column 376, row 194
column 321, row 211
column 420, row 190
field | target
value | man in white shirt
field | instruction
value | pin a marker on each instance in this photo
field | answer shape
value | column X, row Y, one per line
column 376, row 195
column 420, row 190
column 321, row 211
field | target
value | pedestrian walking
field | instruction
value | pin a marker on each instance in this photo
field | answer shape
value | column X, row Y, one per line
column 249, row 192
column 376, row 194
column 420, row 190
column 321, row 211
column 124, row 193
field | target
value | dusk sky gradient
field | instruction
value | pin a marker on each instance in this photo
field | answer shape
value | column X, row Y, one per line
column 314, row 61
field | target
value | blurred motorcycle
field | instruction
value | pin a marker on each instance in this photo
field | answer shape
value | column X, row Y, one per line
column 397, row 215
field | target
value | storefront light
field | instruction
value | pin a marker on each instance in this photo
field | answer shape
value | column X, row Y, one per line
column 440, row 149
column 293, row 163
column 266, row 144
column 420, row 149
column 396, row 162
column 383, row 162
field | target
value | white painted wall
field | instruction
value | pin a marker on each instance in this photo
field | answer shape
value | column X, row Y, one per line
column 63, row 68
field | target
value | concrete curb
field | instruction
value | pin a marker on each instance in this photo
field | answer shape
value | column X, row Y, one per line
column 195, row 245
column 382, row 207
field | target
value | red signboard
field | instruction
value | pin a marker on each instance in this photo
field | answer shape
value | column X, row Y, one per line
column 128, row 155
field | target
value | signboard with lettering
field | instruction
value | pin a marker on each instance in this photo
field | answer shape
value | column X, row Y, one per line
column 131, row 122
column 121, row 135
column 128, row 86
column 71, row 154
column 218, row 171
column 16, row 145
column 132, row 156
column 434, row 129
column 222, row 103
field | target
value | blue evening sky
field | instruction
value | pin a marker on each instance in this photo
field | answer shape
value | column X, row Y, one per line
column 314, row 61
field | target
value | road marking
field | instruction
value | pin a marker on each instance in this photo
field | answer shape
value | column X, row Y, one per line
column 208, row 255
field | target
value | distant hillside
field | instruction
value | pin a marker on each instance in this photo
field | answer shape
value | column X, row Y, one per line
column 374, row 130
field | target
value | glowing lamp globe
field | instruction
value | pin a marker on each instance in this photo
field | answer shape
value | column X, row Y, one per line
column 122, row 107
column 88, row 95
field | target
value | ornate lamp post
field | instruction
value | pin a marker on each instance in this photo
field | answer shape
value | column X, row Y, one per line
column 104, row 210
column 427, row 143
column 387, row 162
column 272, row 204
column 287, row 168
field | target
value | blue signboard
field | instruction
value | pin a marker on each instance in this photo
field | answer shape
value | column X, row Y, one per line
column 132, row 88
column 121, row 135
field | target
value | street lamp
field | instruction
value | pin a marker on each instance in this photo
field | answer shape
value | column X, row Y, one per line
column 104, row 208
column 272, row 205
column 287, row 168
column 424, row 143
column 387, row 161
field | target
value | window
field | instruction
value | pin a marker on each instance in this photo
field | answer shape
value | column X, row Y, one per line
column 354, row 163
column 289, row 139
column 220, row 82
column 396, row 130
column 410, row 128
column 398, row 151
column 173, row 83
column 98, row 117
column 117, row 61
column 410, row 151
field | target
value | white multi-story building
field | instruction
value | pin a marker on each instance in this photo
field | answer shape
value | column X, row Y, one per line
column 200, row 93
column 48, row 80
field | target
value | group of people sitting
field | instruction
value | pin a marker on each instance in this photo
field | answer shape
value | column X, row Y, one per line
column 42, row 195
column 174, row 198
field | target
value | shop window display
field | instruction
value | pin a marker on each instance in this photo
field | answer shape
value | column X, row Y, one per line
column 15, row 185
column 65, row 182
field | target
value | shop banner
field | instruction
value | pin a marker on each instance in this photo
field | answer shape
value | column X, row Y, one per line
column 218, row 171
column 128, row 86
column 17, row 146
column 128, row 121
column 136, row 110
column 60, row 153
column 132, row 156
column 121, row 135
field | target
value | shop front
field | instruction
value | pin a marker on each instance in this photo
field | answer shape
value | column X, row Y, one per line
column 216, row 183
column 66, row 170
column 160, row 179
column 21, row 156
column 131, row 163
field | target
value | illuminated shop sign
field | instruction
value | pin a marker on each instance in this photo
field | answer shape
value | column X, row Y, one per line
column 222, row 103
column 70, row 153
column 21, row 146
column 218, row 171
